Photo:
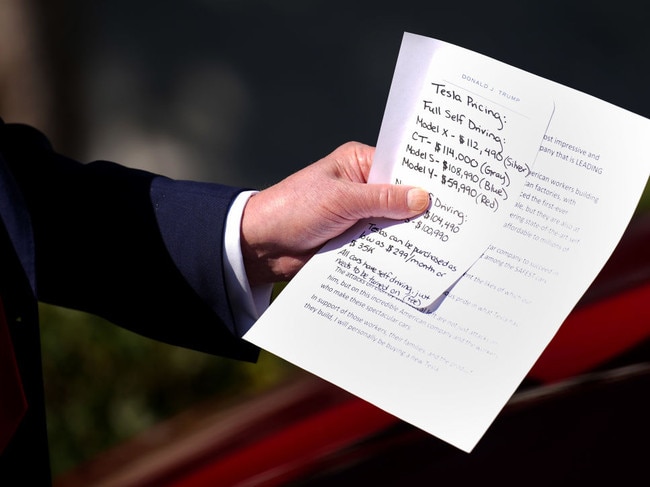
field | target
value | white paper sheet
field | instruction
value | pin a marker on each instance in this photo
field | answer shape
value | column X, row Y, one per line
column 437, row 320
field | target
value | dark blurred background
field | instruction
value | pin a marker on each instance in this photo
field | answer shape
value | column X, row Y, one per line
column 245, row 92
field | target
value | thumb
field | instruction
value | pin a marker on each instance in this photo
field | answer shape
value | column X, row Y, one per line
column 389, row 201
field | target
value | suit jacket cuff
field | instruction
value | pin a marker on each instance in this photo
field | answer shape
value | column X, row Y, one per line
column 200, row 225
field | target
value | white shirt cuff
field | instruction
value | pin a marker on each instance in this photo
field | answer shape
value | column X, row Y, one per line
column 247, row 303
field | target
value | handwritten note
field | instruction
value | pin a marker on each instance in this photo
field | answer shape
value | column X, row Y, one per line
column 437, row 320
column 471, row 144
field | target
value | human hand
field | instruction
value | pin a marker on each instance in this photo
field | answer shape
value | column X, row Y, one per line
column 284, row 225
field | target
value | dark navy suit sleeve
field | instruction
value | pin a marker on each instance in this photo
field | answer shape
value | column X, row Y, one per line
column 191, row 218
column 138, row 249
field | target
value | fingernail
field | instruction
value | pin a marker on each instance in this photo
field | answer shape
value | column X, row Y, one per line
column 417, row 199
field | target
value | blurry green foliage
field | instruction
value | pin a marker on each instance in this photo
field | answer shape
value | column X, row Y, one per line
column 104, row 384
